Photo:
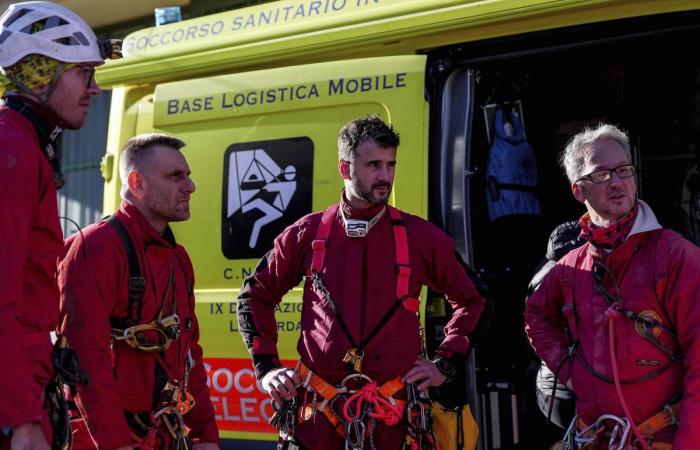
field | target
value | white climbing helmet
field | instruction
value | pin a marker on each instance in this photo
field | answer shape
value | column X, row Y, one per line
column 46, row 29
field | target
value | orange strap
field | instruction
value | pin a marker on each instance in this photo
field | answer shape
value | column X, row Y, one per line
column 391, row 387
column 329, row 392
column 316, row 383
column 659, row 421
column 664, row 418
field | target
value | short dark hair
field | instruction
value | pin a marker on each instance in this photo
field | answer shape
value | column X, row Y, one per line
column 360, row 130
column 137, row 150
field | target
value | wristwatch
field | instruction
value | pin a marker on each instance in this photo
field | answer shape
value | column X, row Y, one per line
column 445, row 367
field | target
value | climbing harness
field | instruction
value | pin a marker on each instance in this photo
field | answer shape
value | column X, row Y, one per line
column 155, row 337
column 579, row 436
column 615, row 431
column 159, row 333
column 356, row 405
column 353, row 407
column 166, row 329
column 355, row 354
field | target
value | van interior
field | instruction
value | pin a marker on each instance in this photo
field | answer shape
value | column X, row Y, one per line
column 642, row 75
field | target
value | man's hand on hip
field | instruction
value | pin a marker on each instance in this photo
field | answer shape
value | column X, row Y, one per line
column 426, row 373
column 281, row 384
column 28, row 436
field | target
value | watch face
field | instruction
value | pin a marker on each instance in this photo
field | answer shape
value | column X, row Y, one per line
column 445, row 367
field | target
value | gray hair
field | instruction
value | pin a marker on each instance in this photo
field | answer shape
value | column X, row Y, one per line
column 137, row 151
column 573, row 157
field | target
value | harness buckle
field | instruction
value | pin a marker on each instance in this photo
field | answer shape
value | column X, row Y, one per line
column 177, row 397
column 137, row 284
column 353, row 358
column 672, row 415
column 170, row 325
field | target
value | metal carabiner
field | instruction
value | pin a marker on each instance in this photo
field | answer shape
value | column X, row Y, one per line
column 134, row 338
column 415, row 408
column 614, row 442
column 361, row 376
column 569, row 435
column 170, row 326
column 357, row 440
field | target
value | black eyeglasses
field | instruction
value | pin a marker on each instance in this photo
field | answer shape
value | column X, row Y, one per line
column 603, row 175
column 88, row 74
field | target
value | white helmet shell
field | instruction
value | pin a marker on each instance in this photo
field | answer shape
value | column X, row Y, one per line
column 46, row 29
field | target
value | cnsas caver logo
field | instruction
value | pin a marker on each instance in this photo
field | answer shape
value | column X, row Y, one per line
column 267, row 186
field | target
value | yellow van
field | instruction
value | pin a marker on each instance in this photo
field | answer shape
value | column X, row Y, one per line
column 260, row 93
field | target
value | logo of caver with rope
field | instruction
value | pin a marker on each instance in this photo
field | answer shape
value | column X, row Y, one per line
column 267, row 186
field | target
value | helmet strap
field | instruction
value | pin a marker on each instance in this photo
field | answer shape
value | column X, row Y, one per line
column 60, row 70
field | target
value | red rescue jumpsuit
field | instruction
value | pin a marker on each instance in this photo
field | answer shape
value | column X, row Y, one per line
column 360, row 274
column 30, row 244
column 93, row 277
column 658, row 272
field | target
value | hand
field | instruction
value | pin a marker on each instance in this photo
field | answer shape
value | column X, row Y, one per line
column 206, row 446
column 128, row 447
column 425, row 372
column 281, row 384
column 28, row 436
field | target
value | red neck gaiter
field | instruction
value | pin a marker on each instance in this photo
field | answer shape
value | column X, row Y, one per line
column 609, row 237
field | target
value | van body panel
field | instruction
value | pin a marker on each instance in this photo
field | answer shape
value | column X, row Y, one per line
column 290, row 31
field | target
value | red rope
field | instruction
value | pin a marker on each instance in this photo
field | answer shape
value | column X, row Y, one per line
column 612, row 314
column 382, row 409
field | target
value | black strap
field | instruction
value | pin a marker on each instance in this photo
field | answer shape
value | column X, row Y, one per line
column 324, row 291
column 48, row 141
column 137, row 282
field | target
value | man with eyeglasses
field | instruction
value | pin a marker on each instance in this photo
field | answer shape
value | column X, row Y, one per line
column 47, row 57
column 127, row 306
column 618, row 319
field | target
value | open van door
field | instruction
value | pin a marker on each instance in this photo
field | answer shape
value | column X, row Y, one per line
column 262, row 149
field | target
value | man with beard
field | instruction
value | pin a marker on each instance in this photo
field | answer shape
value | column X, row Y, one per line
column 127, row 306
column 364, row 263
column 618, row 318
column 48, row 56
